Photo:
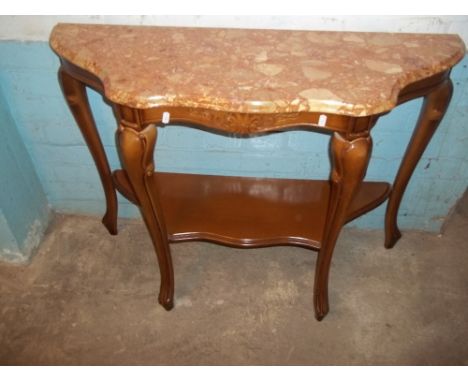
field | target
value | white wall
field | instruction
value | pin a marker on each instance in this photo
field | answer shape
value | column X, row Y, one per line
column 37, row 28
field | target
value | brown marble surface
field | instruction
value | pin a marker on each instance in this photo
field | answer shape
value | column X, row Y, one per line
column 258, row 71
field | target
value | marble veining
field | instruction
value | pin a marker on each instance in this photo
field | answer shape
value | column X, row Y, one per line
column 253, row 70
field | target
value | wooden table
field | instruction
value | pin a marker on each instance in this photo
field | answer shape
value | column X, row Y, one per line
column 246, row 83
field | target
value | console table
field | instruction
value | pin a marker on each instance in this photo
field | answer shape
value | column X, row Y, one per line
column 247, row 83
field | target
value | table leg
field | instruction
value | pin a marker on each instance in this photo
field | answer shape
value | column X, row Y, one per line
column 433, row 110
column 349, row 165
column 136, row 149
column 77, row 99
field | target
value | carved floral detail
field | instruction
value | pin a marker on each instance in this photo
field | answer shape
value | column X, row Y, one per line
column 243, row 123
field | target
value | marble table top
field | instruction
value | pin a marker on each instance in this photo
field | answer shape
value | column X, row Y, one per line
column 253, row 70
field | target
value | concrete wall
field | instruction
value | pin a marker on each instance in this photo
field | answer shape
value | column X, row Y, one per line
column 24, row 211
column 67, row 173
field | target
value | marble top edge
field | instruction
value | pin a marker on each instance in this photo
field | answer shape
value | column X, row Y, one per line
column 185, row 27
column 264, row 70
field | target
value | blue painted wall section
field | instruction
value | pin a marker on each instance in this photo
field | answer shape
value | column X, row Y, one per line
column 24, row 211
column 65, row 168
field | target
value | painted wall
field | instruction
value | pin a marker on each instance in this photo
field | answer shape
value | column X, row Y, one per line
column 67, row 173
column 24, row 211
column 34, row 28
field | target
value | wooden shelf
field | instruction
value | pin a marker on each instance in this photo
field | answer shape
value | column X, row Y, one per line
column 249, row 212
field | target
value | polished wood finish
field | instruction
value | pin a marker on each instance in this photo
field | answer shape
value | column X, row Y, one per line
column 349, row 164
column 251, row 212
column 161, row 197
column 74, row 91
column 433, row 110
column 274, row 211
column 136, row 152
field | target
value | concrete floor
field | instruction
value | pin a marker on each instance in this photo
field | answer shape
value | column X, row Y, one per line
column 90, row 298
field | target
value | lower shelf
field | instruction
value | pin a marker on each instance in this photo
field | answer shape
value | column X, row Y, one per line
column 250, row 212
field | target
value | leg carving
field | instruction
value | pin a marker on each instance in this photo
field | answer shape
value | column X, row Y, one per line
column 349, row 165
column 136, row 150
column 77, row 99
column 433, row 110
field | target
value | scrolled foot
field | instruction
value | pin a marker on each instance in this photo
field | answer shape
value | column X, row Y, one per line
column 166, row 295
column 109, row 221
column 319, row 316
column 391, row 238
column 321, row 306
column 166, row 302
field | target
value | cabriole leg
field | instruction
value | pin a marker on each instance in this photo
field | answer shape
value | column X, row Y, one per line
column 349, row 165
column 77, row 99
column 136, row 150
column 433, row 110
